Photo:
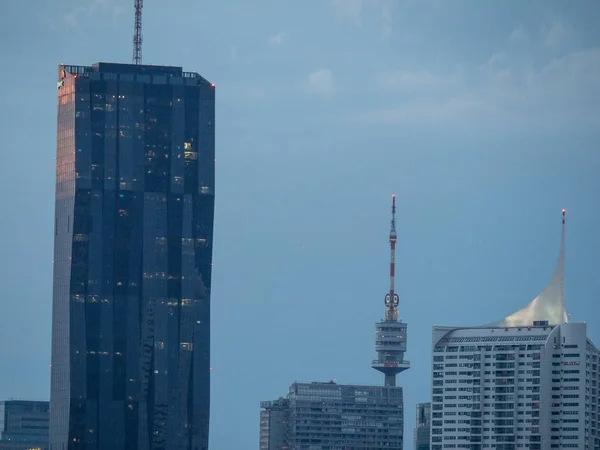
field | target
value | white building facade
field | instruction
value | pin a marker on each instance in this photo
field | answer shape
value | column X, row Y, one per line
column 529, row 381
column 517, row 387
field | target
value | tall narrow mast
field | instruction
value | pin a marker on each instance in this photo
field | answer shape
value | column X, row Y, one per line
column 137, row 33
column 391, row 299
column 549, row 305
column 390, row 340
column 564, row 316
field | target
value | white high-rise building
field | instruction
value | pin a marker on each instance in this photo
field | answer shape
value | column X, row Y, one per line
column 528, row 381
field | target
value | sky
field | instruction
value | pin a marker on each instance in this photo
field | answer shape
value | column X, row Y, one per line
column 482, row 117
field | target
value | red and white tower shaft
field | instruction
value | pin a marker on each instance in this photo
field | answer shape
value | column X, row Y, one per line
column 393, row 247
column 390, row 339
column 391, row 299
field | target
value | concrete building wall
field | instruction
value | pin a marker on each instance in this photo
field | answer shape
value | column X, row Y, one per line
column 423, row 428
column 274, row 419
column 336, row 417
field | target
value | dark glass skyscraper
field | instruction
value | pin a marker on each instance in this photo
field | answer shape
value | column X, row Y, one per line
column 132, row 259
column 23, row 425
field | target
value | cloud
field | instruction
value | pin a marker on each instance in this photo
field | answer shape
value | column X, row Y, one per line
column 562, row 93
column 353, row 10
column 387, row 19
column 277, row 39
column 493, row 63
column 321, row 82
column 555, row 34
column 517, row 35
column 573, row 77
column 70, row 19
column 451, row 110
column 74, row 17
column 348, row 9
column 408, row 80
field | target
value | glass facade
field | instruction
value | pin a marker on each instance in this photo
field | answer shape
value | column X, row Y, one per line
column 132, row 258
column 23, row 425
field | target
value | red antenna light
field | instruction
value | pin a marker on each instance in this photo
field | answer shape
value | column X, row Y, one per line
column 137, row 33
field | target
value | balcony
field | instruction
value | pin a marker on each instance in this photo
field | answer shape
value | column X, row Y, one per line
column 376, row 364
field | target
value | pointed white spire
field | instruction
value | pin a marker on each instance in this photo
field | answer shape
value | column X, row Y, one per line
column 550, row 304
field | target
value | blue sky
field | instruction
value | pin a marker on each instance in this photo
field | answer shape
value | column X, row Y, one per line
column 482, row 117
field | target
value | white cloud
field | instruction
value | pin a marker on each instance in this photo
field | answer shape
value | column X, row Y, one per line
column 348, row 9
column 555, row 34
column 277, row 39
column 387, row 19
column 414, row 79
column 562, row 93
column 451, row 110
column 574, row 76
column 321, row 82
column 517, row 35
column 353, row 10
column 493, row 63
column 87, row 9
column 70, row 19
column 495, row 59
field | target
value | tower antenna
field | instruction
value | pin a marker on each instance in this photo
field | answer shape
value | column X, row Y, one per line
column 391, row 299
column 390, row 343
column 564, row 316
column 137, row 33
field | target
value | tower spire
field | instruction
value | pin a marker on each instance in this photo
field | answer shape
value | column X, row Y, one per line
column 561, row 270
column 550, row 305
column 390, row 342
column 137, row 32
column 391, row 298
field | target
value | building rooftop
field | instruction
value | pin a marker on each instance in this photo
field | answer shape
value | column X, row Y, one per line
column 127, row 72
column 549, row 305
column 547, row 309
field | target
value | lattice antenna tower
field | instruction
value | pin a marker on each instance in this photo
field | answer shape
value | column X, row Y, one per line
column 137, row 33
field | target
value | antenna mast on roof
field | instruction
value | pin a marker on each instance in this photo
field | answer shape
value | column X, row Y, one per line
column 137, row 34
